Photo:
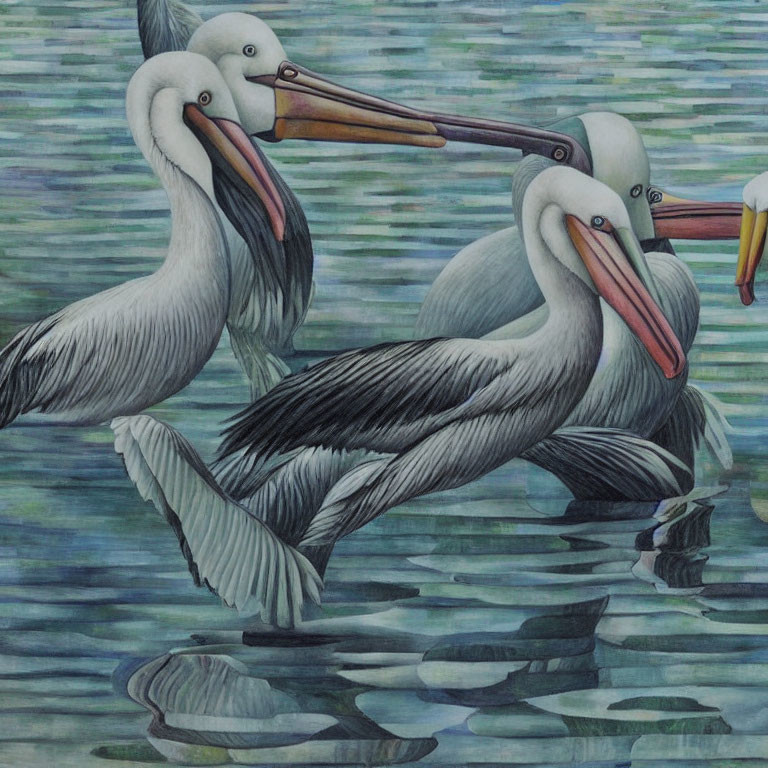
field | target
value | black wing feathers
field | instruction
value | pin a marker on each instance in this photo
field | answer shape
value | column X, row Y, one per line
column 287, row 265
column 367, row 389
column 20, row 378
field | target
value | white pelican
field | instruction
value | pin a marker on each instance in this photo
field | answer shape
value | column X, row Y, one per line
column 754, row 223
column 277, row 99
column 442, row 412
column 133, row 345
column 488, row 285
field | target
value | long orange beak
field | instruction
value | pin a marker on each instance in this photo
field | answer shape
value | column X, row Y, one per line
column 226, row 142
column 678, row 218
column 616, row 281
column 751, row 244
column 308, row 106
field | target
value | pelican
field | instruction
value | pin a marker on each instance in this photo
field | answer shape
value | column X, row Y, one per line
column 627, row 391
column 277, row 99
column 439, row 413
column 754, row 223
column 122, row 350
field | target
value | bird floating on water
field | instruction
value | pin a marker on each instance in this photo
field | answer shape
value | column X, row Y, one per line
column 439, row 413
column 122, row 350
column 628, row 391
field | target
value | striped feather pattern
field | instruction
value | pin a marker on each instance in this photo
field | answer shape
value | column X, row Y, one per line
column 228, row 549
column 373, row 398
column 289, row 497
column 262, row 368
column 165, row 25
column 609, row 464
column 129, row 347
column 272, row 280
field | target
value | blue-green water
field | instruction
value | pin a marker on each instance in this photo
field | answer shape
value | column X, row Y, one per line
column 507, row 625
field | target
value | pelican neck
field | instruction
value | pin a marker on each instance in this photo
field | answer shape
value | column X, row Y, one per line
column 569, row 299
column 197, row 236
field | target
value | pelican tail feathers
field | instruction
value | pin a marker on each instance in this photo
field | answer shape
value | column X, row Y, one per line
column 165, row 25
column 609, row 464
column 227, row 548
column 262, row 368
column 697, row 418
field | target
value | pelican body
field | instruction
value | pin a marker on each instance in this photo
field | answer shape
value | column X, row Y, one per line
column 627, row 391
column 438, row 412
column 446, row 411
column 133, row 345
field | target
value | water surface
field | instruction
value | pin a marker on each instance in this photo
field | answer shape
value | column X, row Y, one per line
column 493, row 625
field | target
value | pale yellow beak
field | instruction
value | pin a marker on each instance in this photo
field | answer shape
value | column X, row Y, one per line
column 751, row 244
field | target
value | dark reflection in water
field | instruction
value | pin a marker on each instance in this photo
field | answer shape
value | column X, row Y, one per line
column 671, row 551
column 389, row 671
column 260, row 705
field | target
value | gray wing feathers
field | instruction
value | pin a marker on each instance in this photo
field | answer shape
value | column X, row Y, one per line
column 290, row 496
column 339, row 515
column 227, row 548
column 379, row 398
column 608, row 464
column 20, row 373
column 448, row 458
column 110, row 354
column 696, row 417
column 165, row 25
column 262, row 368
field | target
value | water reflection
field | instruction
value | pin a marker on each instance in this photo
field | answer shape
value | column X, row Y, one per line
column 513, row 640
column 258, row 705
column 671, row 550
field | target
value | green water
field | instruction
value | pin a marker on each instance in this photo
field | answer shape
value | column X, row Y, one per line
column 507, row 625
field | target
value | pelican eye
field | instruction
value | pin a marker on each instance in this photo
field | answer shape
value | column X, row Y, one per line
column 636, row 191
column 654, row 195
column 598, row 222
column 204, row 99
column 249, row 50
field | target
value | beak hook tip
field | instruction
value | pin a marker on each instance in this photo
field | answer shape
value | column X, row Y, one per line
column 746, row 293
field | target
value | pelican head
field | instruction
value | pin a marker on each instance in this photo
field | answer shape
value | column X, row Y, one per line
column 618, row 158
column 754, row 222
column 620, row 161
column 242, row 46
column 279, row 100
column 182, row 115
column 585, row 225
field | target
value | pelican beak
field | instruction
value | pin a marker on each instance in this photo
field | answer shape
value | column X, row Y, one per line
column 609, row 266
column 230, row 147
column 676, row 217
column 751, row 244
column 308, row 106
column 636, row 257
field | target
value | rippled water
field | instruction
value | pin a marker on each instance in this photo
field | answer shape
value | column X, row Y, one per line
column 493, row 625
